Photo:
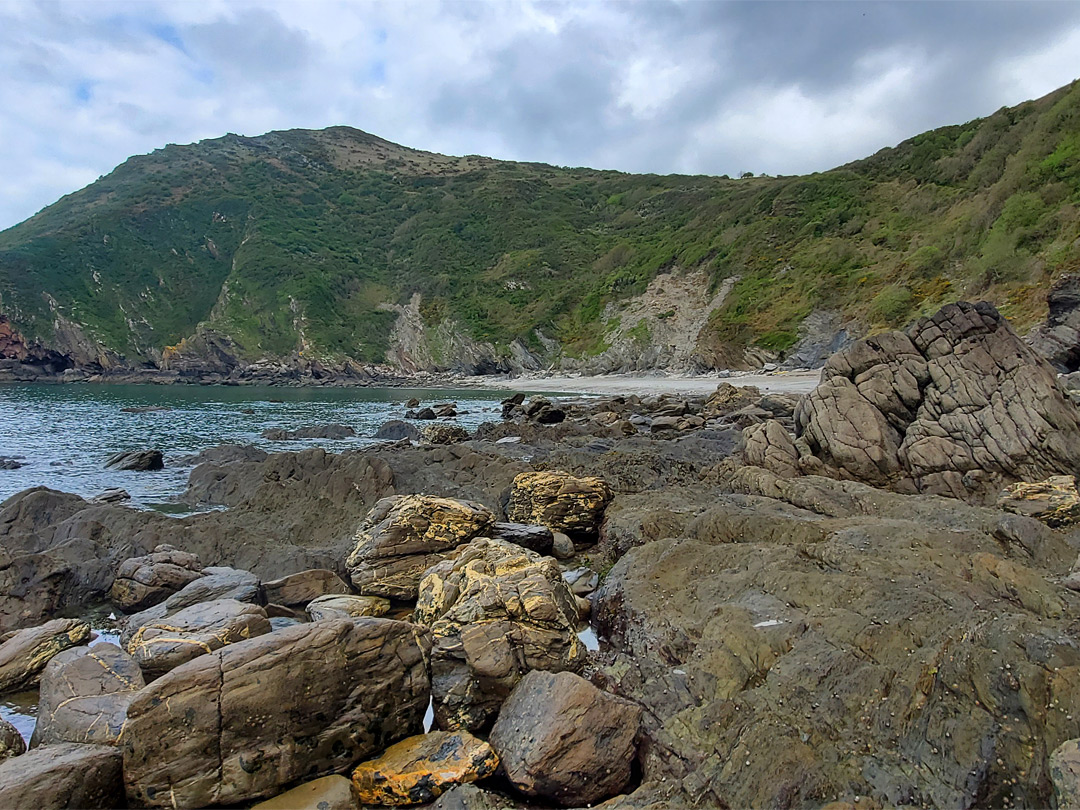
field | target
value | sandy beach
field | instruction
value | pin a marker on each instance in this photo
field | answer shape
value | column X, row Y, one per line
column 793, row 382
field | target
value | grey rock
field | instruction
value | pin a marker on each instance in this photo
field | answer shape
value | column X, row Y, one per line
column 139, row 460
column 55, row 777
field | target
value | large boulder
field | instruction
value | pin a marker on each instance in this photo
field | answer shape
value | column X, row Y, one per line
column 296, row 590
column 404, row 535
column 55, row 777
column 142, row 582
column 496, row 612
column 396, row 430
column 422, row 768
column 444, row 434
column 25, row 653
column 85, row 692
column 11, row 741
column 560, row 738
column 559, row 501
column 241, row 722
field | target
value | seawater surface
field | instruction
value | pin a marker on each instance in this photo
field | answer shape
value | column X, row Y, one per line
column 66, row 432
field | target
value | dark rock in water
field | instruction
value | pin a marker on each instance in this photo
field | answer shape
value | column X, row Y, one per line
column 142, row 582
column 511, row 404
column 559, row 737
column 242, row 722
column 396, row 429
column 11, row 741
column 296, row 590
column 560, row 501
column 79, row 777
column 138, row 460
column 534, row 538
column 444, row 434
column 85, row 692
column 423, row 413
column 412, row 403
column 224, row 454
column 26, row 652
column 445, row 410
column 314, row 432
column 9, row 463
column 114, row 495
column 145, row 409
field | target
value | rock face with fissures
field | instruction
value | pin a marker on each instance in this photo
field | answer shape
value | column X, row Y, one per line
column 559, row 501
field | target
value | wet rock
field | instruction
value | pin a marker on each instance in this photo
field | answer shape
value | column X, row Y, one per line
column 26, row 652
column 85, row 692
column 444, row 434
column 11, row 742
column 313, row 432
column 534, row 538
column 1058, row 338
column 422, row 768
column 396, row 429
column 412, row 403
column 142, row 582
column 1054, row 501
column 496, row 611
column 80, row 777
column 423, row 413
column 347, row 607
column 582, row 581
column 445, row 410
column 328, row 793
column 560, row 738
column 560, row 501
column 404, row 535
column 9, row 463
column 241, row 722
column 1065, row 774
column 511, row 404
column 114, row 495
column 296, row 590
column 138, row 460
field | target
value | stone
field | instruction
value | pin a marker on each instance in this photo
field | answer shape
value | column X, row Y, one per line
column 412, row 403
column 560, row 501
column 396, row 429
column 85, row 692
column 444, row 434
column 562, row 547
column 158, row 647
column 142, row 582
column 728, row 398
column 470, row 797
column 138, row 460
column 314, row 432
column 80, row 777
column 1065, row 774
column 1058, row 338
column 404, row 535
column 347, row 606
column 560, row 738
column 333, row 792
column 496, row 611
column 422, row 768
column 1054, row 501
column 296, row 590
column 113, row 495
column 26, row 652
column 11, row 741
column 242, row 722
column 425, row 414
column 770, row 446
column 534, row 538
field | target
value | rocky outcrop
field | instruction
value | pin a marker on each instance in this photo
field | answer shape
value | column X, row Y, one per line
column 347, row 606
column 11, row 742
column 770, row 446
column 296, row 590
column 396, row 430
column 496, row 612
column 142, row 582
column 242, row 722
column 534, row 538
column 65, row 776
column 559, row 501
column 25, row 653
column 1058, row 338
column 422, row 768
column 560, row 738
column 138, row 460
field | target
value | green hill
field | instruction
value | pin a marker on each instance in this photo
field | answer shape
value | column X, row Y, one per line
column 313, row 242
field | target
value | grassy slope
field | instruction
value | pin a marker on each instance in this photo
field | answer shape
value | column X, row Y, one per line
column 312, row 231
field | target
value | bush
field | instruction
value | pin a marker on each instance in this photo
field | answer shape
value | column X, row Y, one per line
column 892, row 305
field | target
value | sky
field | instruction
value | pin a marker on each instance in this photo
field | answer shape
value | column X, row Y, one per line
column 665, row 86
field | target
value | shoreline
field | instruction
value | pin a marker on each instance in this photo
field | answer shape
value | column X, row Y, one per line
column 782, row 382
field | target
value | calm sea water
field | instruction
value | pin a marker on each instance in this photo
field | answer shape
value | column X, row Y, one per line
column 66, row 432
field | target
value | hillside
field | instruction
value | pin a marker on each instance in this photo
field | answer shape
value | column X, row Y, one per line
column 340, row 247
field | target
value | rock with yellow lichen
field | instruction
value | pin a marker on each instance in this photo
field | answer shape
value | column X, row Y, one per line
column 25, row 653
column 347, row 606
column 422, row 768
column 560, row 501
column 404, row 535
column 1054, row 501
column 496, row 612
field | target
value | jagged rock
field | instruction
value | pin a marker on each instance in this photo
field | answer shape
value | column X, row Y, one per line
column 559, row 501
column 534, row 538
column 327, row 793
column 496, row 611
column 769, row 446
column 296, row 590
column 404, row 535
column 55, row 777
column 197, row 630
column 85, row 692
column 445, row 410
column 560, row 738
column 422, row 768
column 11, row 741
column 662, row 424
column 511, row 404
column 139, row 460
column 582, row 581
column 26, row 652
column 444, row 434
column 313, row 432
column 241, row 722
column 1065, row 774
column 728, row 398
column 347, row 606
column 1058, row 339
column 1054, row 501
column 142, row 582
column 396, row 429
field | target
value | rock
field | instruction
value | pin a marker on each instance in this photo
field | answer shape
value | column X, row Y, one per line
column 424, row 413
column 1054, row 501
column 582, row 581
column 663, row 424
column 562, row 547
column 1065, row 774
column 327, row 793
column 26, row 652
column 194, row 631
column 559, row 501
column 241, row 722
column 496, row 611
column 347, row 606
column 444, row 434
column 85, row 692
column 470, row 797
column 114, row 495
column 313, row 432
column 560, row 738
column 769, row 446
column 396, row 429
column 142, row 582
column 139, row 460
column 728, row 398
column 405, row 535
column 80, row 777
column 412, row 403
column 9, row 463
column 422, row 768
column 534, row 538
column 11, row 741
column 296, row 590
column 445, row 410
column 511, row 404
column 1058, row 339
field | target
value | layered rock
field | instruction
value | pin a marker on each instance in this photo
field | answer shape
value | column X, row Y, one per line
column 142, row 582
column 296, row 590
column 79, row 777
column 1054, row 501
column 559, row 501
column 25, row 653
column 347, row 606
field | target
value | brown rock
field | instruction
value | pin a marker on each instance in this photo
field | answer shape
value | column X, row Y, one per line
column 11, row 741
column 728, row 398
column 296, row 590
column 444, row 434
column 142, row 582
column 347, row 606
column 422, row 768
column 1065, row 775
column 559, row 501
column 561, row 738
column 80, row 777
column 1054, row 501
column 770, row 446
column 328, row 793
column 26, row 652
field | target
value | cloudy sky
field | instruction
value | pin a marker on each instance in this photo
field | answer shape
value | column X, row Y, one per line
column 664, row 86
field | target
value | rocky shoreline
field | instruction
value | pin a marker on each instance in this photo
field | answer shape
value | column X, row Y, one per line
column 861, row 597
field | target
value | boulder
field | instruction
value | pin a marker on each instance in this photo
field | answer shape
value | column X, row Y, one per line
column 1065, row 774
column 85, row 692
column 423, row 413
column 560, row 738
column 496, row 611
column 313, row 432
column 422, row 768
column 11, row 741
column 26, row 652
column 296, row 590
column 9, row 463
column 534, row 538
column 326, row 793
column 562, row 547
column 1054, row 501
column 728, row 398
column 158, row 647
column 404, row 535
column 444, row 434
column 241, row 722
column 80, row 777
column 770, row 446
column 347, row 606
column 112, row 495
column 560, row 501
column 142, row 582
column 138, row 460
column 396, row 429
